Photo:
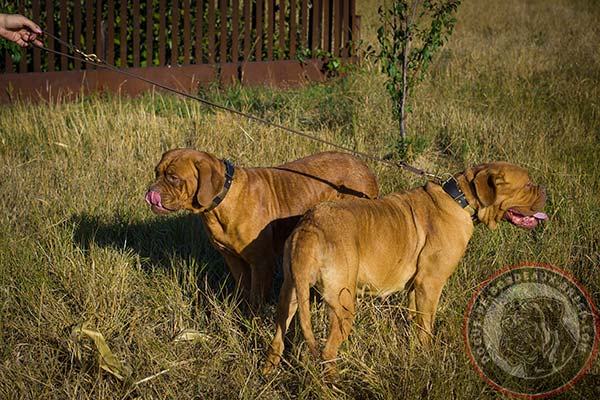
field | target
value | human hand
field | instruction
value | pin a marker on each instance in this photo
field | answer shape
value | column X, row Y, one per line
column 19, row 29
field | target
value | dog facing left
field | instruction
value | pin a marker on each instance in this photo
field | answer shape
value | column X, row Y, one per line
column 248, row 213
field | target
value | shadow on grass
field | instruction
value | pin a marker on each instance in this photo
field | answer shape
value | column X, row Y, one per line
column 164, row 244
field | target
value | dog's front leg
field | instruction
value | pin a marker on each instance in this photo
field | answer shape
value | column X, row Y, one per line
column 241, row 272
column 261, row 280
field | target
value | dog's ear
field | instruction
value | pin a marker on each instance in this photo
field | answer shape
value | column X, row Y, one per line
column 487, row 183
column 210, row 179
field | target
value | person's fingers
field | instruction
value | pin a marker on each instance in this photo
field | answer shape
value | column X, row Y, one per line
column 18, row 21
column 32, row 26
column 10, row 35
column 33, row 38
column 30, row 37
column 21, row 42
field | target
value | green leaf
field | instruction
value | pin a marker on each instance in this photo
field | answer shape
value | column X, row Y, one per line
column 16, row 55
column 427, row 34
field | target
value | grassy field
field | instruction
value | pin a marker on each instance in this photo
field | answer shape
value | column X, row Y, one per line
column 519, row 81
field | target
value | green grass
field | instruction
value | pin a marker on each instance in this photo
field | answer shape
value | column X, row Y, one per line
column 519, row 81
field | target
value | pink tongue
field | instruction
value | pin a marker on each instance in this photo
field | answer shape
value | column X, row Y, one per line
column 153, row 198
column 541, row 216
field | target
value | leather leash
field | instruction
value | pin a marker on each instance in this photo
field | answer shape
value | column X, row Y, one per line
column 93, row 59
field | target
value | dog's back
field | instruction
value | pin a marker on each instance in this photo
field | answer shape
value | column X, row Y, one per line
column 343, row 172
column 295, row 187
column 324, row 176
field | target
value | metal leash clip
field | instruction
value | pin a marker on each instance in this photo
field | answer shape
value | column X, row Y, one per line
column 88, row 57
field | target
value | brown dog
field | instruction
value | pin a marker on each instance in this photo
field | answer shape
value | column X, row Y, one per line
column 249, row 212
column 411, row 241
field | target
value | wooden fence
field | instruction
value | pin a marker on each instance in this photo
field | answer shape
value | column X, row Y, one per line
column 253, row 41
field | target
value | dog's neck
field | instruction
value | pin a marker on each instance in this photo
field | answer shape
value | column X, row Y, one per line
column 460, row 192
column 229, row 172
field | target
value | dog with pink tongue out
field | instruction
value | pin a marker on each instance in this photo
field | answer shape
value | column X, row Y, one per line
column 409, row 241
column 248, row 213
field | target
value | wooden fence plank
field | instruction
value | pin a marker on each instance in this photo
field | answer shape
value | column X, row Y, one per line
column 270, row 30
column 304, row 23
column 235, row 30
column 123, row 34
column 199, row 33
column 149, row 33
column 337, row 27
column 327, row 26
column 50, row 28
column 247, row 29
column 186, row 32
column 110, row 33
column 259, row 30
column 76, row 20
column 316, row 25
column 162, row 54
column 37, row 55
column 293, row 28
column 99, row 31
column 64, row 35
column 352, row 38
column 211, row 31
column 223, row 6
column 175, row 32
column 89, row 26
column 23, row 62
column 282, row 35
column 136, row 33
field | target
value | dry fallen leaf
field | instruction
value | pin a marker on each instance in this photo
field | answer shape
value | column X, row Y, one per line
column 107, row 359
column 191, row 335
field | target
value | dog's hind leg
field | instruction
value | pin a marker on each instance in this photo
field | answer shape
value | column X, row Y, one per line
column 288, row 305
column 304, row 247
column 341, row 317
column 286, row 309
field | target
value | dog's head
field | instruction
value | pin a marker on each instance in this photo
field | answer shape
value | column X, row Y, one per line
column 185, row 179
column 504, row 190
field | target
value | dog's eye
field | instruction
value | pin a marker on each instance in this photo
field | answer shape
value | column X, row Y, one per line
column 174, row 179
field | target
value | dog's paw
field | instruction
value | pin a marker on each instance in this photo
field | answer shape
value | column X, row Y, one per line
column 331, row 374
column 270, row 364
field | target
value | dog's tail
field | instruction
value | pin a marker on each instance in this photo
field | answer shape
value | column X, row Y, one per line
column 302, row 263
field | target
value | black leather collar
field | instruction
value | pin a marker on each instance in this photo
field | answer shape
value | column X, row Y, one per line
column 453, row 189
column 229, row 171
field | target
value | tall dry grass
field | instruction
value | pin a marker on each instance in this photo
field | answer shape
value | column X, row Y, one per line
column 519, row 81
